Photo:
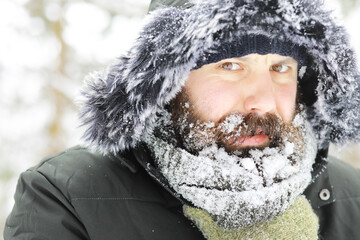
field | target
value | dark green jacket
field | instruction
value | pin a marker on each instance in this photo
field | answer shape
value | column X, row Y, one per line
column 79, row 195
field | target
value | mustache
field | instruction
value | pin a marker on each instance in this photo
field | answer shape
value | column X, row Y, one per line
column 236, row 125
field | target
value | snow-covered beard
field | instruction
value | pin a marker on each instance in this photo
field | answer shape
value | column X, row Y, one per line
column 238, row 188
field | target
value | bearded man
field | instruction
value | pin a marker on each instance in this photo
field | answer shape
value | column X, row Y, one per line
column 214, row 125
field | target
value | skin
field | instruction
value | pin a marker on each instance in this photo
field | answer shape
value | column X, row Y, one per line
column 251, row 84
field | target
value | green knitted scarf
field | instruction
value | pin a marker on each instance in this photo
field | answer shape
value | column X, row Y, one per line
column 297, row 222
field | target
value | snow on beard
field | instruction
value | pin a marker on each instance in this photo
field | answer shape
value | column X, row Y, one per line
column 232, row 130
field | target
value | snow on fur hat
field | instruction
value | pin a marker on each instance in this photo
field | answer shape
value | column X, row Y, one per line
column 120, row 105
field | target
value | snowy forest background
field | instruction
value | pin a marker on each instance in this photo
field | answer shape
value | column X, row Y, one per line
column 46, row 49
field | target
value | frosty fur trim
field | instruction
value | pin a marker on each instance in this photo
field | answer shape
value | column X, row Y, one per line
column 119, row 105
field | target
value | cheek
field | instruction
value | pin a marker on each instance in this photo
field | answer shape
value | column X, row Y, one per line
column 285, row 101
column 213, row 100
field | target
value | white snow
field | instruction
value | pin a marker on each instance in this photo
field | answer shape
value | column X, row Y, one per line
column 302, row 71
column 231, row 122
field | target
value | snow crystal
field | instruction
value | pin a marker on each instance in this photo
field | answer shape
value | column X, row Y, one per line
column 231, row 122
column 302, row 72
column 299, row 119
column 248, row 164
column 289, row 148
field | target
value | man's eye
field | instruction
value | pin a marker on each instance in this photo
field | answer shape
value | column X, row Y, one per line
column 230, row 66
column 279, row 68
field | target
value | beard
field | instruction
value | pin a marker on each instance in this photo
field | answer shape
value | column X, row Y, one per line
column 206, row 163
column 193, row 134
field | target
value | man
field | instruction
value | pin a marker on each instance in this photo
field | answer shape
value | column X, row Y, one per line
column 214, row 125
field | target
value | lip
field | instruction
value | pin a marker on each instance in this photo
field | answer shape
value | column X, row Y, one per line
column 257, row 140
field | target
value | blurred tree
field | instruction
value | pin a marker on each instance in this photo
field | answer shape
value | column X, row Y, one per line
column 55, row 26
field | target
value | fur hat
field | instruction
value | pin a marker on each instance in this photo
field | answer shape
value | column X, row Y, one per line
column 120, row 105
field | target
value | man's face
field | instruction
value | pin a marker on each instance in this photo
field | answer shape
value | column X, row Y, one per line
column 235, row 130
column 253, row 85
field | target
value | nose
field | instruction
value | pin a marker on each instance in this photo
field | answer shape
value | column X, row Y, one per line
column 260, row 94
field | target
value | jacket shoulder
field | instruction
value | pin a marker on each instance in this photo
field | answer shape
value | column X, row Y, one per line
column 76, row 194
column 79, row 174
column 43, row 208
